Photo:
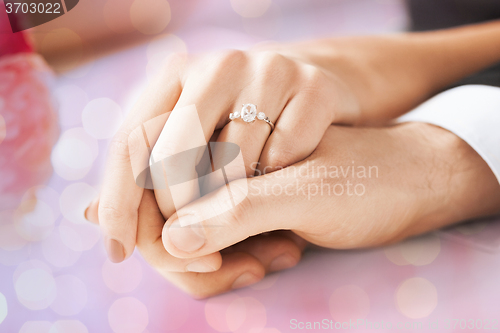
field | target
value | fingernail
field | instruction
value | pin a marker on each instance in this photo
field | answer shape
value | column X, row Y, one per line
column 116, row 252
column 189, row 238
column 91, row 212
column 244, row 280
column 282, row 262
column 199, row 266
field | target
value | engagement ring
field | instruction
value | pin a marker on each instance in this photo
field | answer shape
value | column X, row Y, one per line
column 249, row 113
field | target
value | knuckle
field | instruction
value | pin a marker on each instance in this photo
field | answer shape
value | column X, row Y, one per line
column 122, row 146
column 274, row 65
column 136, row 142
column 230, row 59
column 222, row 66
column 315, row 80
column 280, row 159
column 166, row 149
column 112, row 216
column 271, row 58
column 240, row 213
column 196, row 290
column 176, row 60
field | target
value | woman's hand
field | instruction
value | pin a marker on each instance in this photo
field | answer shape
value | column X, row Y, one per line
column 301, row 99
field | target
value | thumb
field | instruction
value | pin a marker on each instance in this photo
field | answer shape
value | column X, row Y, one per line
column 214, row 222
column 91, row 213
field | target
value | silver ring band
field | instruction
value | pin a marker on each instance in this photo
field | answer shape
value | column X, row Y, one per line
column 249, row 114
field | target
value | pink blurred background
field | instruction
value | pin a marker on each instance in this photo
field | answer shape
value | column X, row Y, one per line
column 54, row 275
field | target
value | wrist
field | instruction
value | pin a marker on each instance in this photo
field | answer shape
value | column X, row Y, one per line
column 381, row 89
column 390, row 75
column 344, row 74
column 456, row 184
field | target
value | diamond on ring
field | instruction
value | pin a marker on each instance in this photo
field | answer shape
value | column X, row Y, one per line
column 249, row 113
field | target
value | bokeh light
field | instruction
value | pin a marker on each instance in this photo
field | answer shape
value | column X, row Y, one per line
column 80, row 71
column 417, row 251
column 73, row 160
column 159, row 50
column 75, row 199
column 3, row 126
column 246, row 313
column 36, row 327
column 128, row 315
column 236, row 314
column 164, row 45
column 46, row 194
column 216, row 309
column 101, row 118
column 3, row 308
column 393, row 253
column 266, row 283
column 34, row 220
column 71, row 296
column 117, row 16
column 264, row 330
column 10, row 240
column 35, row 289
column 16, row 249
column 123, row 277
column 266, row 26
column 74, row 153
column 57, row 253
column 422, row 250
column 150, row 16
column 71, row 99
column 349, row 302
column 56, row 42
column 174, row 311
column 30, row 264
column 79, row 237
column 254, row 8
column 416, row 298
column 60, row 326
column 70, row 237
column 68, row 326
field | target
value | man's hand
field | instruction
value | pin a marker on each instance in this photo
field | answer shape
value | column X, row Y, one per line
column 362, row 187
column 408, row 179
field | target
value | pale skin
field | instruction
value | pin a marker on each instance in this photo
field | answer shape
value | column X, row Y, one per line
column 344, row 81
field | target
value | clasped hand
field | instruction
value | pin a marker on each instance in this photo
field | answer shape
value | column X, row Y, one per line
column 401, row 192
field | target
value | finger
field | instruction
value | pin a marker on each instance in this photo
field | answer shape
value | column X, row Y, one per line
column 300, row 127
column 91, row 213
column 174, row 159
column 121, row 195
column 150, row 245
column 222, row 225
column 238, row 270
column 196, row 115
column 276, row 250
column 243, row 264
column 246, row 130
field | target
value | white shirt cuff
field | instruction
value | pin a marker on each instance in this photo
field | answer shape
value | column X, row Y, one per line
column 472, row 112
